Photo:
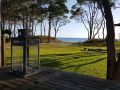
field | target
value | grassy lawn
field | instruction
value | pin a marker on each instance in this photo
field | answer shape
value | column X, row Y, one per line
column 75, row 59
column 70, row 58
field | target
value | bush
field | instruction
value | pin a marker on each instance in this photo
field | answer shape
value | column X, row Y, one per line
column 95, row 42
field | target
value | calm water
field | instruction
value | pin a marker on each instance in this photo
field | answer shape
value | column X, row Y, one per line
column 73, row 39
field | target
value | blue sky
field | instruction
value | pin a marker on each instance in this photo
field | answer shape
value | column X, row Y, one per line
column 72, row 29
column 77, row 30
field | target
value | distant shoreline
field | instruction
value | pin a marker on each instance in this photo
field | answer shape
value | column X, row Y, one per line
column 72, row 40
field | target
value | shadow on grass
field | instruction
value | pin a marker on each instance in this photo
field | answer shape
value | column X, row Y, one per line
column 60, row 60
column 83, row 64
column 52, row 57
column 68, row 58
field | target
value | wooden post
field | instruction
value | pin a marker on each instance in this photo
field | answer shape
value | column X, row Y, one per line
column 39, row 56
column 117, row 69
column 11, row 56
column 117, row 65
column 0, row 33
column 28, row 56
column 25, row 56
column 2, row 49
column 2, row 38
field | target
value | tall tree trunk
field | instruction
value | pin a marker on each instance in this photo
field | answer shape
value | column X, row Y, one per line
column 110, row 39
column 44, row 28
column 88, row 36
column 55, row 34
column 90, row 33
column 32, row 27
column 49, row 31
column 3, row 41
column 41, row 28
column 41, row 40
column 23, row 21
column 103, row 34
column 14, row 28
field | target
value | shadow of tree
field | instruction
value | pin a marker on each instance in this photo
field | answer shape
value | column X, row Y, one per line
column 60, row 61
column 83, row 64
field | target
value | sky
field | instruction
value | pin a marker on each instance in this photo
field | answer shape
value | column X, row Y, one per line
column 77, row 30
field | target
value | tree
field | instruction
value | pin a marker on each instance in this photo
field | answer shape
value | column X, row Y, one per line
column 4, row 8
column 58, row 22
column 111, row 59
column 55, row 8
column 89, row 15
column 105, row 7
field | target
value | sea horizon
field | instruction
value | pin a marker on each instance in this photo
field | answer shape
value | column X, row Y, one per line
column 66, row 39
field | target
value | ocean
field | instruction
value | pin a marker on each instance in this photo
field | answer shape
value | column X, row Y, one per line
column 72, row 39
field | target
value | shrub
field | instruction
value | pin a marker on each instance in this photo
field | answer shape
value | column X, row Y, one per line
column 95, row 42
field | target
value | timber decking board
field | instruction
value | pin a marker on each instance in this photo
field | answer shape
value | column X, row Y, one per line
column 17, row 83
column 83, row 87
column 50, row 79
column 7, row 84
column 22, row 80
column 35, row 87
column 95, row 82
column 62, row 86
column 83, row 83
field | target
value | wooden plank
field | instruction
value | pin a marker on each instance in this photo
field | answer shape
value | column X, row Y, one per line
column 83, row 87
column 7, row 84
column 81, row 83
column 84, row 82
column 103, row 81
column 64, row 85
column 6, row 88
column 37, row 86
column 50, row 79
column 22, row 80
column 40, row 80
column 106, row 83
column 1, row 87
column 88, row 82
column 91, row 78
column 53, row 86
column 17, row 83
column 33, row 78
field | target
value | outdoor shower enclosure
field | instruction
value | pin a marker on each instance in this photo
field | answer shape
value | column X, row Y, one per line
column 25, row 40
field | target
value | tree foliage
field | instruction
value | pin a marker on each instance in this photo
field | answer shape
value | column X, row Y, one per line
column 89, row 15
column 58, row 22
column 105, row 6
column 25, row 14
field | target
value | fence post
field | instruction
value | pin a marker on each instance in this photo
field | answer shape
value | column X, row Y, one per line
column 0, row 33
column 117, row 69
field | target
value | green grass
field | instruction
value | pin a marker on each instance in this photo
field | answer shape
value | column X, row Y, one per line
column 71, row 58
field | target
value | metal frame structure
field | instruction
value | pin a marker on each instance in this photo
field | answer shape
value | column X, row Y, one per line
column 25, row 41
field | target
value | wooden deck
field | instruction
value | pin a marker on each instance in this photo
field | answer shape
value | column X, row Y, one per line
column 50, row 79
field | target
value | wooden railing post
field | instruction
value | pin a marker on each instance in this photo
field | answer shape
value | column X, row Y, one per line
column 117, row 69
column 0, row 33
column 2, row 49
